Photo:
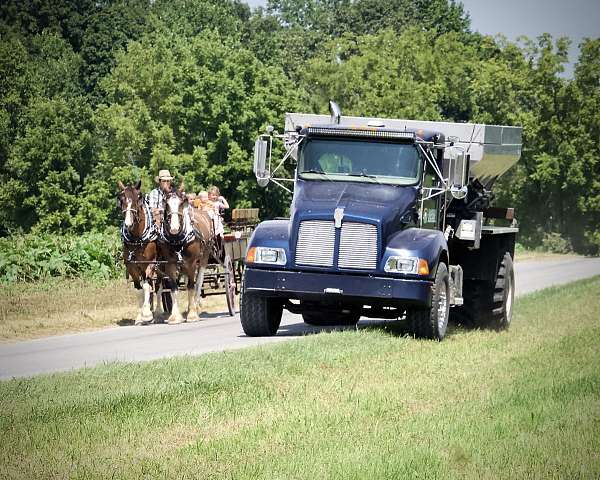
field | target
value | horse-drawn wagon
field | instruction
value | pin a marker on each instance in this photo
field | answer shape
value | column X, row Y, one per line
column 225, row 275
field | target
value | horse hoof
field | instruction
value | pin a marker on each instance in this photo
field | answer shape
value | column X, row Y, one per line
column 175, row 321
column 193, row 318
column 141, row 321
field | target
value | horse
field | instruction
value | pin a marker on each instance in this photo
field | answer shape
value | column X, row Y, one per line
column 187, row 242
column 139, row 236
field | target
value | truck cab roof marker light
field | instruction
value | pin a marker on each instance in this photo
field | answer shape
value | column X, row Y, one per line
column 361, row 132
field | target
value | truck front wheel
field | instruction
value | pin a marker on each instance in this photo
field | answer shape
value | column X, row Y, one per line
column 433, row 322
column 260, row 316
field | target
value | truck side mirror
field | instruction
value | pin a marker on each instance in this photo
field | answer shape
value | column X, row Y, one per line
column 457, row 171
column 459, row 192
column 261, row 171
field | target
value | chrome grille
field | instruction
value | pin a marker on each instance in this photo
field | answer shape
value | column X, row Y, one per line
column 316, row 240
column 358, row 246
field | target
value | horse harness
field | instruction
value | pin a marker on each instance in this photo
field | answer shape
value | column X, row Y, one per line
column 186, row 235
column 150, row 233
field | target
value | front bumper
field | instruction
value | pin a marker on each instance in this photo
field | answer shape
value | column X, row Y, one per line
column 316, row 286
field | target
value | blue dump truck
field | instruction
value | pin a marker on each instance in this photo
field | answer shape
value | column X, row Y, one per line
column 389, row 219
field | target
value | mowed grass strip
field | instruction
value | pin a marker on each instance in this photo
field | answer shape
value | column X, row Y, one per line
column 354, row 404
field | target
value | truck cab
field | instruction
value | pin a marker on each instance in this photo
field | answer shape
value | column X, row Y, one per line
column 378, row 210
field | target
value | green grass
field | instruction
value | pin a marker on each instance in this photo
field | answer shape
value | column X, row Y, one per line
column 349, row 405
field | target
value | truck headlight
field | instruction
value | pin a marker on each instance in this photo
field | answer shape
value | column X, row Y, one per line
column 266, row 255
column 414, row 265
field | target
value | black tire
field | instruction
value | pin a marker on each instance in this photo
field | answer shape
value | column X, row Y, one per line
column 260, row 316
column 433, row 322
column 504, row 294
column 489, row 304
column 330, row 319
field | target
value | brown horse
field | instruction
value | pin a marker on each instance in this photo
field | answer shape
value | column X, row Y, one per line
column 187, row 241
column 139, row 245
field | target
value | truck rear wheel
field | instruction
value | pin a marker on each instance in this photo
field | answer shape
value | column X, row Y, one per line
column 330, row 319
column 504, row 294
column 433, row 322
column 489, row 304
column 260, row 316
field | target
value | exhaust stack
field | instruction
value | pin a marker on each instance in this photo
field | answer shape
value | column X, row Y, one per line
column 336, row 113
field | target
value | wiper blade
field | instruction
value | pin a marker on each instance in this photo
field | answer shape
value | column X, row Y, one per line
column 318, row 172
column 362, row 174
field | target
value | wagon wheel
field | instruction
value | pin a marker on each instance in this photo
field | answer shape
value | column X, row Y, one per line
column 229, row 284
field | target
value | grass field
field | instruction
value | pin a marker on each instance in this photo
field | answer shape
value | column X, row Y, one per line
column 33, row 310
column 355, row 404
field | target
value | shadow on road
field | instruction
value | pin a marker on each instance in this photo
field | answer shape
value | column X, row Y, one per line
column 299, row 329
column 125, row 322
column 128, row 322
column 396, row 328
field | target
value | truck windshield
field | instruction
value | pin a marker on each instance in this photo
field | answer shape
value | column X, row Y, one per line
column 359, row 160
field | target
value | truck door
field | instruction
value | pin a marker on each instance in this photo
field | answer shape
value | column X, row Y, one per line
column 430, row 209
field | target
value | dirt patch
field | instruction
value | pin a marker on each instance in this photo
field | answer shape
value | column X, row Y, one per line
column 57, row 307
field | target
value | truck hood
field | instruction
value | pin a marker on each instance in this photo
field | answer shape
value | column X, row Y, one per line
column 386, row 205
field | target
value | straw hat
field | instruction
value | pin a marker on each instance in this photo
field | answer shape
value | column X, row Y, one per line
column 163, row 175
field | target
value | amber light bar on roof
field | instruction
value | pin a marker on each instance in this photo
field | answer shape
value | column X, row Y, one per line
column 359, row 132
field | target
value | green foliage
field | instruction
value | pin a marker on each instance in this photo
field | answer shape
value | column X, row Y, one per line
column 34, row 257
column 108, row 31
column 555, row 243
column 194, row 107
column 96, row 92
column 359, row 17
column 401, row 76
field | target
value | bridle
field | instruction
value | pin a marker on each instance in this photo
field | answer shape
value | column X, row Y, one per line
column 169, row 214
column 135, row 212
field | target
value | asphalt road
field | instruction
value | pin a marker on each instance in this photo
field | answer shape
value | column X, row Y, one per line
column 214, row 332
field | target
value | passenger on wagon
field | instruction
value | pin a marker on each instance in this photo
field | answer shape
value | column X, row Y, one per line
column 214, row 195
column 220, row 205
column 202, row 202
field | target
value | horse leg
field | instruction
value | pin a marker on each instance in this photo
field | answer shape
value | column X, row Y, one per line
column 145, row 313
column 192, row 315
column 175, row 316
column 194, row 298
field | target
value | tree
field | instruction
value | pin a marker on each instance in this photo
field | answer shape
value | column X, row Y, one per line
column 359, row 17
column 66, row 18
column 408, row 75
column 582, row 148
column 46, row 122
column 194, row 107
column 107, row 31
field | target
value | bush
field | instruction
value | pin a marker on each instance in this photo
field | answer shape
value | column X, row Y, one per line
column 33, row 257
column 555, row 243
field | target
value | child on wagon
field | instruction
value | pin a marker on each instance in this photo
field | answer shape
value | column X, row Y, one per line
column 214, row 195
column 219, row 205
